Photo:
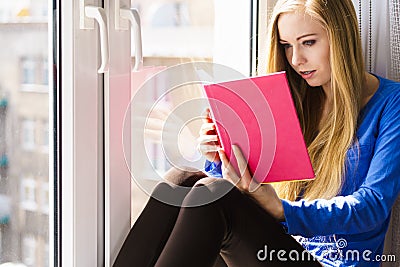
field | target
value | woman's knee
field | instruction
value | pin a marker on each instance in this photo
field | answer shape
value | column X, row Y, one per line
column 185, row 176
column 208, row 190
column 176, row 185
column 215, row 184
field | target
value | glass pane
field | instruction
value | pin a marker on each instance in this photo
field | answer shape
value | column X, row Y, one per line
column 24, row 140
column 173, row 32
column 176, row 31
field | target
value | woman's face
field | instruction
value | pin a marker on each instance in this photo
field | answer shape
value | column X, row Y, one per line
column 306, row 47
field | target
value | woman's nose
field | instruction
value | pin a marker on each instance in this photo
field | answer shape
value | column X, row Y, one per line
column 297, row 57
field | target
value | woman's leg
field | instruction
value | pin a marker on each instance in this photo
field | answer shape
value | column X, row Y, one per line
column 149, row 234
column 235, row 226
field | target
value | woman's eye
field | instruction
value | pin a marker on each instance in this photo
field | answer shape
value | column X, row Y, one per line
column 286, row 46
column 309, row 42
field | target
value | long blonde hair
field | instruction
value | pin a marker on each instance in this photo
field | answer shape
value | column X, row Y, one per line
column 328, row 146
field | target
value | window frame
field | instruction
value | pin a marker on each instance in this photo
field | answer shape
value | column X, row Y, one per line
column 85, row 198
column 78, row 168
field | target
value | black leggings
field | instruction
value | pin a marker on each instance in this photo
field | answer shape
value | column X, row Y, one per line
column 230, row 231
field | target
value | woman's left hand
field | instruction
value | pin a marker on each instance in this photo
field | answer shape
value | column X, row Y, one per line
column 264, row 194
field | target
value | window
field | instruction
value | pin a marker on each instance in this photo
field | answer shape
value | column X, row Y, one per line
column 28, row 71
column 34, row 72
column 29, row 251
column 28, row 194
column 5, row 209
column 176, row 32
column 45, row 256
column 95, row 176
column 44, row 73
column 188, row 30
column 44, row 198
column 175, row 23
column 173, row 32
column 25, row 109
column 28, row 134
column 45, row 137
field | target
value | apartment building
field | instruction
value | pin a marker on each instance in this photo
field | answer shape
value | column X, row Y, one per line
column 24, row 109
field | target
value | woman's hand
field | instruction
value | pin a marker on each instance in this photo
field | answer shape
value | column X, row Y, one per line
column 263, row 194
column 208, row 143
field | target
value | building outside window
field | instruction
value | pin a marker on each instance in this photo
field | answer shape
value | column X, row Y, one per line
column 24, row 116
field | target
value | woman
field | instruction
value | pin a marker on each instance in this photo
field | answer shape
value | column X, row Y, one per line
column 351, row 125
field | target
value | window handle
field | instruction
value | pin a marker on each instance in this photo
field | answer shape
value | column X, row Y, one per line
column 88, row 14
column 133, row 16
column 99, row 15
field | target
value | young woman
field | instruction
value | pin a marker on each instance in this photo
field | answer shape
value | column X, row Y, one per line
column 351, row 125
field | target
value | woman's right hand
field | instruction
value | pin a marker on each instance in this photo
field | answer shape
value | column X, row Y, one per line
column 208, row 143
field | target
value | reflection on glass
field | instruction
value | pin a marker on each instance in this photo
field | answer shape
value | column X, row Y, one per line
column 173, row 32
column 24, row 156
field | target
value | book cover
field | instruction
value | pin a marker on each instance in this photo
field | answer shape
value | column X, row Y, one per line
column 259, row 116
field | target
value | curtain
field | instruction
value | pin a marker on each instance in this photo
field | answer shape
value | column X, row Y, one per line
column 373, row 17
column 393, row 236
column 394, row 19
column 379, row 23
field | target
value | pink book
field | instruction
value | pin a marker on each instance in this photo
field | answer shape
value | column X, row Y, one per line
column 259, row 116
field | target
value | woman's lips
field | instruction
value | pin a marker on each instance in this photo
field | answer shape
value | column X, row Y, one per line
column 307, row 74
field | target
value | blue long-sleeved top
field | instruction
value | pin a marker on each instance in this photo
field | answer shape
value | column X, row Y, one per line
column 349, row 229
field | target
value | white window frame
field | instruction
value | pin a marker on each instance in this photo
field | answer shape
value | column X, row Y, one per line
column 80, row 143
column 117, row 95
column 51, row 248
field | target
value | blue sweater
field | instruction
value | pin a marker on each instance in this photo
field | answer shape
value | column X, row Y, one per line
column 349, row 229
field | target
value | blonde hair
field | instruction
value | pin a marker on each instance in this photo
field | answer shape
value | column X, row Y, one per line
column 328, row 146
